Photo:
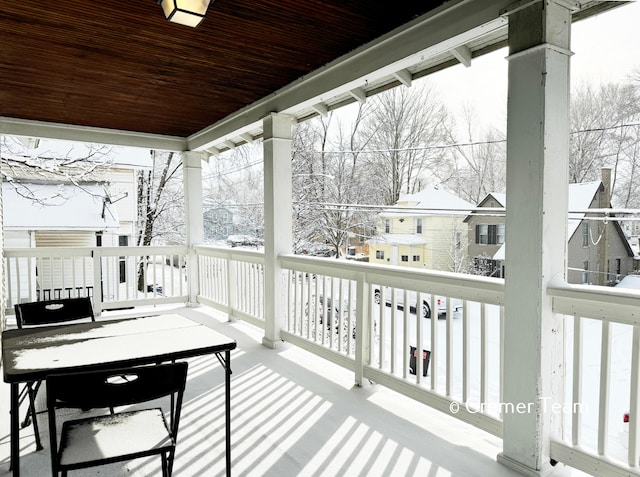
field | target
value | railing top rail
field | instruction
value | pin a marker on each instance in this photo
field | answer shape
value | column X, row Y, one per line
column 620, row 305
column 38, row 252
column 144, row 250
column 87, row 251
column 469, row 287
column 255, row 256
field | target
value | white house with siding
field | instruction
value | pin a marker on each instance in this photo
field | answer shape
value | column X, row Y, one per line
column 99, row 210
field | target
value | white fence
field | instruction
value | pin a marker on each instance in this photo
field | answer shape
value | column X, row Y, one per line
column 115, row 277
column 232, row 281
column 383, row 323
column 602, row 327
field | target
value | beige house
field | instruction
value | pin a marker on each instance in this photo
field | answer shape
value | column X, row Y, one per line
column 422, row 230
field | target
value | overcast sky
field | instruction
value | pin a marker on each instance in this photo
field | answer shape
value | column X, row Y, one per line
column 606, row 49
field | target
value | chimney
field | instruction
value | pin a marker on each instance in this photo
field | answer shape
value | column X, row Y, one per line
column 605, row 198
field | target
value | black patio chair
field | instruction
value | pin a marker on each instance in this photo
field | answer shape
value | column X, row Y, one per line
column 125, row 435
column 46, row 313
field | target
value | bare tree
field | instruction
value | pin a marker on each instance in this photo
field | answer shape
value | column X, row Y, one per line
column 598, row 116
column 406, row 127
column 23, row 164
column 479, row 165
column 329, row 178
column 160, row 204
column 234, row 181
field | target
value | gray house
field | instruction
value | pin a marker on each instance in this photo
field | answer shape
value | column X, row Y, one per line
column 598, row 252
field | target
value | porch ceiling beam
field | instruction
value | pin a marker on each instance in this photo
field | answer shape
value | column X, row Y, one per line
column 404, row 76
column 247, row 137
column 463, row 54
column 213, row 151
column 229, row 144
column 456, row 23
column 47, row 130
column 321, row 109
column 359, row 95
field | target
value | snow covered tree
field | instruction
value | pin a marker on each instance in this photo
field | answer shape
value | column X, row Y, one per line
column 160, row 205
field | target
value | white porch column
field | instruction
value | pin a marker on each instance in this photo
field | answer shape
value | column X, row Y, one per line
column 2, row 284
column 536, row 230
column 192, row 183
column 278, row 224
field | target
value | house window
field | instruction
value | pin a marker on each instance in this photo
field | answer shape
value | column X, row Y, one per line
column 416, row 258
column 418, row 226
column 618, row 266
column 404, row 258
column 482, row 234
column 380, row 254
column 585, row 235
column 585, row 272
column 458, row 240
column 500, row 234
column 490, row 234
column 387, row 226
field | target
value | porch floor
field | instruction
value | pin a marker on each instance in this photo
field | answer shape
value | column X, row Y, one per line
column 293, row 414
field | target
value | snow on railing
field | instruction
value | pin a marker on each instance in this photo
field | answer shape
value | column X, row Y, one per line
column 115, row 277
column 602, row 339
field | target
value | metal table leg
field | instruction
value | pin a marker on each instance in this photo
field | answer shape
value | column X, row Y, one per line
column 15, row 431
column 227, row 385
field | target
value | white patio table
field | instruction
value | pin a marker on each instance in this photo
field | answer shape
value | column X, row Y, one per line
column 30, row 354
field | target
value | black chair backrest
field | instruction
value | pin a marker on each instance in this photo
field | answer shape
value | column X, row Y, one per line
column 116, row 387
column 53, row 311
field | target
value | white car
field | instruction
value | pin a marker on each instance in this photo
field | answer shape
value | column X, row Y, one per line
column 441, row 302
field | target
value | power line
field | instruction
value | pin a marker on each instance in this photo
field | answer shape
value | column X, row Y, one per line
column 461, row 144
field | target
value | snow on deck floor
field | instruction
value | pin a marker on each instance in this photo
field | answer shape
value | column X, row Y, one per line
column 293, row 414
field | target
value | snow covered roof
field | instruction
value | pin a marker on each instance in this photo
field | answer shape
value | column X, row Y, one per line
column 397, row 239
column 58, row 207
column 433, row 201
column 630, row 281
column 500, row 197
column 580, row 198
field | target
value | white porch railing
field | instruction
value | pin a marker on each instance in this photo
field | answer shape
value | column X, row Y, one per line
column 110, row 275
column 602, row 327
column 326, row 303
column 370, row 318
column 232, row 281
column 342, row 310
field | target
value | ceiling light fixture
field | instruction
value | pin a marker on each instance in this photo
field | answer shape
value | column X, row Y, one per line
column 185, row 12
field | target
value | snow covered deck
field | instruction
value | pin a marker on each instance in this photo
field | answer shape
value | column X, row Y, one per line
column 293, row 413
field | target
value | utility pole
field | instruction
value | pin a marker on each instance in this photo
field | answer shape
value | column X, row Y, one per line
column 604, row 202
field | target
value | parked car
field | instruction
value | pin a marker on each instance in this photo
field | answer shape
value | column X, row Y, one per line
column 317, row 250
column 425, row 307
column 333, row 309
column 237, row 240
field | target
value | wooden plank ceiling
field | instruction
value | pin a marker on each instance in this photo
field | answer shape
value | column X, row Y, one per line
column 121, row 65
